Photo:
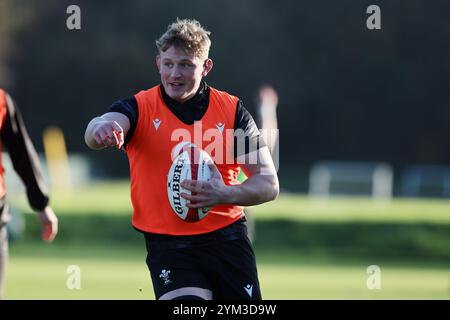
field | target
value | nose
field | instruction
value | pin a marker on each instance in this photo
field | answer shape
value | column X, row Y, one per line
column 176, row 73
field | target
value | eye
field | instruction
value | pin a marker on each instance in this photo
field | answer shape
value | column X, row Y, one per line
column 168, row 64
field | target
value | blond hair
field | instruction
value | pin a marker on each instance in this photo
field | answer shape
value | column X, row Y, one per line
column 187, row 35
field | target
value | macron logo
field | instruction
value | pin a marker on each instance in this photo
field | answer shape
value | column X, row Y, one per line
column 220, row 126
column 156, row 123
column 249, row 289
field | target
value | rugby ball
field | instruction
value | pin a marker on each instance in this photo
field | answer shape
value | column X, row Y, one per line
column 191, row 163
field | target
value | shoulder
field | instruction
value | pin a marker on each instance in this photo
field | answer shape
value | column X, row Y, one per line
column 2, row 98
column 127, row 107
column 224, row 96
column 243, row 119
column 148, row 95
column 4, row 108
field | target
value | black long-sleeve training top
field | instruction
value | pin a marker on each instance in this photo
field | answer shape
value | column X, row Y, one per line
column 24, row 158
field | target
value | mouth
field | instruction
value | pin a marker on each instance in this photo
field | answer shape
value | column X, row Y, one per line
column 176, row 85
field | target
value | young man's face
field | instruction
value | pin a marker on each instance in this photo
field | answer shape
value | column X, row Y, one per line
column 181, row 72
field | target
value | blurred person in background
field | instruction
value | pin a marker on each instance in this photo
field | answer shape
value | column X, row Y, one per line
column 211, row 258
column 14, row 136
column 267, row 103
column 267, row 114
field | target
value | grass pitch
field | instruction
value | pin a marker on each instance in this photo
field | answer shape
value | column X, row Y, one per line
column 306, row 249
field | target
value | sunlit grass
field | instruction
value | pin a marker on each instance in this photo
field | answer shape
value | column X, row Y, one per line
column 107, row 273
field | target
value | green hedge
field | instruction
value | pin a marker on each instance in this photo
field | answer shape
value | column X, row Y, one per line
column 352, row 240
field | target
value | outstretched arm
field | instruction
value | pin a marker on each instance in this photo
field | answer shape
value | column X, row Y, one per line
column 108, row 130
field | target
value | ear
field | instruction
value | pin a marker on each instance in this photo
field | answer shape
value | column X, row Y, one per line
column 207, row 66
column 158, row 61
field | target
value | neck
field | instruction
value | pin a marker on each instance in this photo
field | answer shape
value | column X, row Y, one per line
column 198, row 92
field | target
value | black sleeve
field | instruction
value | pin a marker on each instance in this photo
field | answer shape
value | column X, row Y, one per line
column 129, row 108
column 24, row 157
column 247, row 137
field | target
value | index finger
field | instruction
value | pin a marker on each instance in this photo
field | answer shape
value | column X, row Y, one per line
column 117, row 127
column 192, row 185
column 119, row 139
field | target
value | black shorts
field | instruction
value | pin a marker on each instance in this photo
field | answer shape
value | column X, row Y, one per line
column 218, row 265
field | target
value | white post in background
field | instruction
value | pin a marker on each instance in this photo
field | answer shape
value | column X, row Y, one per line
column 319, row 181
column 348, row 178
column 382, row 182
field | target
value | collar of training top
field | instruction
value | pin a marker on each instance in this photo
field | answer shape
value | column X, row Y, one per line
column 199, row 101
